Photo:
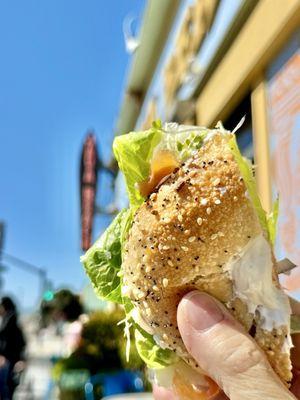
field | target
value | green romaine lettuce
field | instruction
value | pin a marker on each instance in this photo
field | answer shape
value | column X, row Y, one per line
column 267, row 222
column 103, row 260
column 247, row 174
column 133, row 153
column 134, row 150
column 154, row 356
column 272, row 221
column 183, row 141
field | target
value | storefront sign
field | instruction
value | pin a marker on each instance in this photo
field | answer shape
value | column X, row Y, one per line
column 88, row 186
column 197, row 22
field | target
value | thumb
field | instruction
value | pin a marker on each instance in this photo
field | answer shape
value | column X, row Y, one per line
column 225, row 351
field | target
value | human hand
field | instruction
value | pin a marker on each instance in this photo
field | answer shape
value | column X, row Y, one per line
column 19, row 367
column 229, row 355
column 2, row 361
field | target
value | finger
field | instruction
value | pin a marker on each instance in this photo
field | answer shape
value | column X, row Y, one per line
column 222, row 348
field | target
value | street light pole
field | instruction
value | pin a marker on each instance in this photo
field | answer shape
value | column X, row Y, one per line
column 26, row 266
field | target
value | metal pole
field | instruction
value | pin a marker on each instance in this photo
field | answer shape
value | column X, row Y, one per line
column 26, row 266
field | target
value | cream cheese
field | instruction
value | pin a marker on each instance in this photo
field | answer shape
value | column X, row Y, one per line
column 251, row 273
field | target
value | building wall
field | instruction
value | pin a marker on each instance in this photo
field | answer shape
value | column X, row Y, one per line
column 260, row 61
column 283, row 106
column 265, row 59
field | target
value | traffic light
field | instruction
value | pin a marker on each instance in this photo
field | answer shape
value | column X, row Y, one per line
column 48, row 295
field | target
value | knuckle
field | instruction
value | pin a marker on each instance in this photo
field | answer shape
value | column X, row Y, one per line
column 242, row 356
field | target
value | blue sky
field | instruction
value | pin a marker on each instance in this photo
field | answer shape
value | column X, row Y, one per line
column 62, row 70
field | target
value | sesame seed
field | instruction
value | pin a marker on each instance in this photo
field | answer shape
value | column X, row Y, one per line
column 180, row 218
column 199, row 221
column 141, row 295
column 204, row 202
column 148, row 312
column 167, row 220
column 170, row 263
column 218, row 201
column 192, row 238
column 154, row 287
column 148, row 269
column 235, row 198
column 187, row 232
column 166, row 247
column 216, row 181
column 184, row 248
column 208, row 210
column 165, row 282
column 153, row 196
column 214, row 236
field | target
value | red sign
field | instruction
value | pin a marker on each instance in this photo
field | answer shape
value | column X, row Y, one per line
column 88, row 186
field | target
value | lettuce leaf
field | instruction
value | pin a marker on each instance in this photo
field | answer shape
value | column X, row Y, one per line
column 133, row 153
column 183, row 141
column 134, row 150
column 267, row 222
column 247, row 174
column 272, row 221
column 154, row 356
column 103, row 260
column 102, row 263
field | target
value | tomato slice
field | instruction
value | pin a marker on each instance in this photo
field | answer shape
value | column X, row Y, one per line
column 163, row 164
column 185, row 391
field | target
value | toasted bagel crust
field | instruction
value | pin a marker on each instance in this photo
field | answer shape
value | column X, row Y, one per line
column 180, row 240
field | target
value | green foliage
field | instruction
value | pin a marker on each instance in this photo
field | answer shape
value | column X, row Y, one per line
column 102, row 346
column 64, row 305
column 103, row 337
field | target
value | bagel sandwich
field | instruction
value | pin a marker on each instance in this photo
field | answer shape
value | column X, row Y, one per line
column 194, row 221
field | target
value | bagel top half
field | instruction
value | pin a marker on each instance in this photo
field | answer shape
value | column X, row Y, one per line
column 188, row 235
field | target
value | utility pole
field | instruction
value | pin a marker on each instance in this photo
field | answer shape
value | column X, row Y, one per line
column 45, row 284
column 26, row 266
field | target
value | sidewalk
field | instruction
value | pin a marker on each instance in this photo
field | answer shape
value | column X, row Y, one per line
column 36, row 381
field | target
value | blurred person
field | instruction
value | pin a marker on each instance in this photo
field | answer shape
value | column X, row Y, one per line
column 228, row 354
column 12, row 348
